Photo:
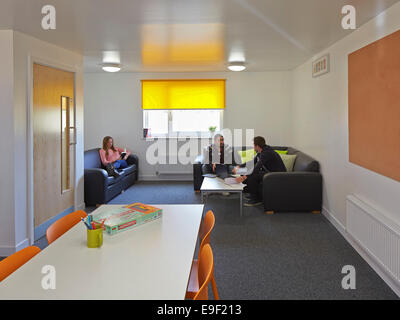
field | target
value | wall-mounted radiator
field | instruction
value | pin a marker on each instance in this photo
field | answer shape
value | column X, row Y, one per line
column 173, row 169
column 376, row 234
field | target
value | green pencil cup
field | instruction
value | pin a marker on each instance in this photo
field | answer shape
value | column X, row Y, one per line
column 94, row 238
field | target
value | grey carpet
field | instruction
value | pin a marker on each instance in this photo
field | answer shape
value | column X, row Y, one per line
column 283, row 256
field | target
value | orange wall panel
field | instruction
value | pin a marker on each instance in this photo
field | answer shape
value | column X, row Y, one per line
column 374, row 106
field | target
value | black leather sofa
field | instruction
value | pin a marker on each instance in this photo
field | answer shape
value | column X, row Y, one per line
column 297, row 191
column 99, row 187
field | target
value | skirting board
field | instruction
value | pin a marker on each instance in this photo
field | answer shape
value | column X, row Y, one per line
column 6, row 251
column 373, row 263
column 80, row 207
column 179, row 177
column 336, row 223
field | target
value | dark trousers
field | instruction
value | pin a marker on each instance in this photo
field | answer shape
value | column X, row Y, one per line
column 207, row 168
column 253, row 183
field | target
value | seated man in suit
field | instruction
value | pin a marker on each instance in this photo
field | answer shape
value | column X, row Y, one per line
column 266, row 160
column 217, row 153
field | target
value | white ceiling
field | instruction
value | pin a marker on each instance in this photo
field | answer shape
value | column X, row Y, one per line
column 190, row 35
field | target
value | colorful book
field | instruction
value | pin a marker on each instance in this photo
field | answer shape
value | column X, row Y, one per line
column 126, row 217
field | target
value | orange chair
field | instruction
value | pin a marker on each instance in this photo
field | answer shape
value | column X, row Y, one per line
column 16, row 260
column 205, row 272
column 58, row 228
column 193, row 286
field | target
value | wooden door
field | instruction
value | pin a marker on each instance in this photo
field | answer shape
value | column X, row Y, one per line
column 53, row 141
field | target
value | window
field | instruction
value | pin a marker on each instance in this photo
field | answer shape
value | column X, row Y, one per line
column 182, row 108
column 67, row 124
column 181, row 123
column 157, row 122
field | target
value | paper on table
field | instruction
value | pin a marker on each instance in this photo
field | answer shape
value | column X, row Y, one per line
column 230, row 181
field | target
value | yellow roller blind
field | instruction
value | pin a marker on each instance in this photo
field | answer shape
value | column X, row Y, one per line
column 183, row 94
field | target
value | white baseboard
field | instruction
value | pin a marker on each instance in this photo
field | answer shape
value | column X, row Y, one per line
column 336, row 223
column 171, row 177
column 23, row 244
column 81, row 206
column 371, row 260
column 5, row 251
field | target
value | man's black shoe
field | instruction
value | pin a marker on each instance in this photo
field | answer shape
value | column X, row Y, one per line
column 247, row 196
column 253, row 203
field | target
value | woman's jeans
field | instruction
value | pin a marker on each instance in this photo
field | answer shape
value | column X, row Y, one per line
column 120, row 164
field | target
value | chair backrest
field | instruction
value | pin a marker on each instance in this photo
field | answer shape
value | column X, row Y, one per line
column 207, row 226
column 62, row 225
column 92, row 159
column 16, row 260
column 205, row 272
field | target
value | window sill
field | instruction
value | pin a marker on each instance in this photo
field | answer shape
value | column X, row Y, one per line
column 176, row 137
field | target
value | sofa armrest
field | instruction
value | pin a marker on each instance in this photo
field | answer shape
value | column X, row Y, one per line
column 96, row 175
column 133, row 159
column 197, row 176
column 95, row 186
column 197, row 172
column 292, row 191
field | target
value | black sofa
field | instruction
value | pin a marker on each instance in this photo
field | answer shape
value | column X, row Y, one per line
column 99, row 187
column 297, row 191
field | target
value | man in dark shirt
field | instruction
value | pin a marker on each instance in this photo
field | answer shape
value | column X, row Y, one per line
column 266, row 160
column 217, row 154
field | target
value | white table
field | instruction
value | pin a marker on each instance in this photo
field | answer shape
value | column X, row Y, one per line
column 152, row 261
column 211, row 185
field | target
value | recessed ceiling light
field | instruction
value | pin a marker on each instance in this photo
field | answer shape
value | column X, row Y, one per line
column 236, row 66
column 111, row 67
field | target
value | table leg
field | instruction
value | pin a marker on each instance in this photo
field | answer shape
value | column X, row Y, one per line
column 241, row 204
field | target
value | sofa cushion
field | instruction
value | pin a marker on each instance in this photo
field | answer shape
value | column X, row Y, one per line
column 288, row 161
column 123, row 173
column 92, row 159
column 303, row 161
column 130, row 169
column 111, row 180
column 247, row 155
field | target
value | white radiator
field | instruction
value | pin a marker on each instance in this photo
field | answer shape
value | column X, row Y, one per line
column 173, row 169
column 376, row 234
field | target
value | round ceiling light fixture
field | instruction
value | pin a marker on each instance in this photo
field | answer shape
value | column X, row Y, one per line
column 111, row 67
column 236, row 66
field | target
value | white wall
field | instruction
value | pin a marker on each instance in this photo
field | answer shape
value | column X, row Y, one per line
column 16, row 201
column 7, row 224
column 258, row 100
column 320, row 124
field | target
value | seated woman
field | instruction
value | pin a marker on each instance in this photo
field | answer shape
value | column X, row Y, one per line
column 111, row 155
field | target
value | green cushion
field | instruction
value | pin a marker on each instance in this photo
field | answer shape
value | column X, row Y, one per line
column 288, row 161
column 281, row 151
column 247, row 155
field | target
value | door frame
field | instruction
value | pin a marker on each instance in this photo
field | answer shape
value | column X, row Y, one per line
column 30, row 160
